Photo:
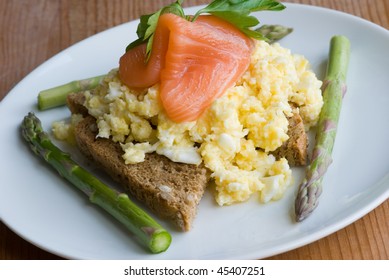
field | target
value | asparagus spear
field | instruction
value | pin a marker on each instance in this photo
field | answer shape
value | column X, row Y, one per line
column 148, row 231
column 334, row 88
column 273, row 33
column 56, row 96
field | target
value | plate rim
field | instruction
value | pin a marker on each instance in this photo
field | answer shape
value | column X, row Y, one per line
column 297, row 243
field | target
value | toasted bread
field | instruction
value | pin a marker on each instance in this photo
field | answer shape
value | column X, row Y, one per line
column 171, row 190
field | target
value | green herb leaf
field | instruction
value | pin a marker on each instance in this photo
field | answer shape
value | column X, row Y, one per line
column 237, row 12
column 141, row 31
column 148, row 24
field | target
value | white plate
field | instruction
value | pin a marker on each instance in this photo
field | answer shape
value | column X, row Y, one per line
column 48, row 212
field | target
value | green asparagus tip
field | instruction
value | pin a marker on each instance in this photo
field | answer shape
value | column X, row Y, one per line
column 273, row 33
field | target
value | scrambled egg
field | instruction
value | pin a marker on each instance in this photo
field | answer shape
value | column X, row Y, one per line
column 233, row 138
column 64, row 131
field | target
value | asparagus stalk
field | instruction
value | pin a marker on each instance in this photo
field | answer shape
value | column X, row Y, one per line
column 273, row 33
column 334, row 88
column 148, row 231
column 56, row 96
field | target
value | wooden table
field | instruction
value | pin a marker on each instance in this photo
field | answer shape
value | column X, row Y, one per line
column 32, row 31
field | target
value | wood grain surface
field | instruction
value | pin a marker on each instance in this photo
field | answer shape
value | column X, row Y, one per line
column 32, row 31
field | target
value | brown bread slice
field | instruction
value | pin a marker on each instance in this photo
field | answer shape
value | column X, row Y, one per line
column 75, row 102
column 172, row 190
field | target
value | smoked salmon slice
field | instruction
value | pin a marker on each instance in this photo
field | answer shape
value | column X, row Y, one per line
column 195, row 63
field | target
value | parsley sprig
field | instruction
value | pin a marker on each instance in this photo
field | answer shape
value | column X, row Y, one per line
column 237, row 12
column 148, row 24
